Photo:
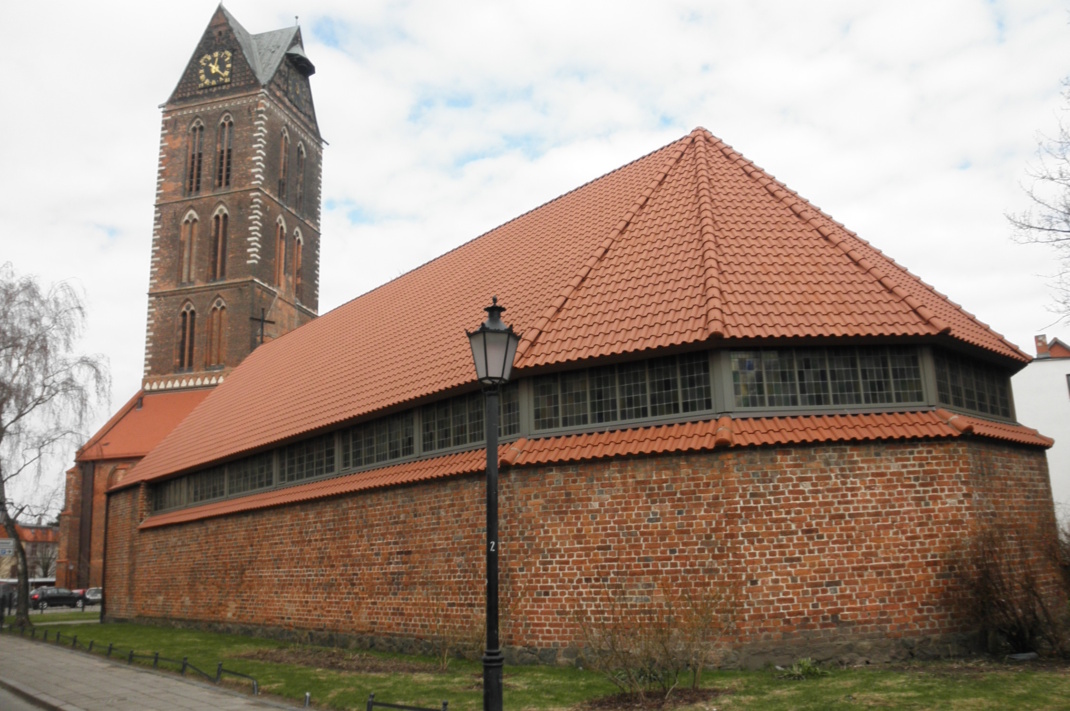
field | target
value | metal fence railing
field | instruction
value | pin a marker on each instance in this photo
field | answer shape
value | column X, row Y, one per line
column 373, row 704
column 112, row 652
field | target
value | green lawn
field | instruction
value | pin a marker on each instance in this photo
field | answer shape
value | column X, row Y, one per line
column 961, row 686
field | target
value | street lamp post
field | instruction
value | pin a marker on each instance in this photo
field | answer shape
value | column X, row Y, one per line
column 493, row 349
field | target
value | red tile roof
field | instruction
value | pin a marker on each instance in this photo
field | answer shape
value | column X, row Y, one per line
column 687, row 244
column 688, row 437
column 1058, row 349
column 135, row 429
column 37, row 534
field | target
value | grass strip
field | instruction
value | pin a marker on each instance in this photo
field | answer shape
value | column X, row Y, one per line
column 342, row 679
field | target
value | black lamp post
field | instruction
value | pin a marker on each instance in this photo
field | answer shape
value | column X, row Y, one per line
column 493, row 349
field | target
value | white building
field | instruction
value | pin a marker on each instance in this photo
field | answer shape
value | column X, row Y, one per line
column 1042, row 400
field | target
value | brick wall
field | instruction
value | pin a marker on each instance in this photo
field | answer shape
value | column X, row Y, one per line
column 850, row 550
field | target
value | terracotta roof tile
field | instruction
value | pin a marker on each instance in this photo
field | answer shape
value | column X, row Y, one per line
column 687, row 243
column 723, row 433
column 133, row 431
column 37, row 534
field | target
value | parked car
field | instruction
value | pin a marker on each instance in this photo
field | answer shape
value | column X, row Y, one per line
column 44, row 598
column 91, row 596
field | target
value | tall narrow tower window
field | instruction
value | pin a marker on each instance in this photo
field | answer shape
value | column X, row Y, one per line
column 226, row 138
column 299, row 197
column 284, row 163
column 218, row 269
column 187, row 238
column 187, row 330
column 195, row 158
column 280, row 253
column 298, row 285
column 217, row 328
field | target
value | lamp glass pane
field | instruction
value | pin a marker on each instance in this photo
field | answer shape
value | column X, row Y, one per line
column 497, row 345
column 479, row 353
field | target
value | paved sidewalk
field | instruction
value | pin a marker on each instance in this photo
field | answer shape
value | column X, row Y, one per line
column 59, row 678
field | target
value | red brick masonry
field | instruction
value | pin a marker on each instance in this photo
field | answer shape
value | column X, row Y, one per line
column 842, row 548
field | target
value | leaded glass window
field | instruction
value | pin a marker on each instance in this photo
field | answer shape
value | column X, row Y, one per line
column 250, row 474
column 969, row 385
column 208, row 484
column 378, row 441
column 304, row 460
column 820, row 377
column 661, row 387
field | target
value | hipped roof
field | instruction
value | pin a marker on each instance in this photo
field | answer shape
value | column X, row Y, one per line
column 690, row 244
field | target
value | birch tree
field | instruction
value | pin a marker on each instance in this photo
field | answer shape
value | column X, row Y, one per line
column 47, row 392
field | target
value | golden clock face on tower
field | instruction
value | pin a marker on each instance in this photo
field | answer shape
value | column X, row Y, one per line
column 215, row 68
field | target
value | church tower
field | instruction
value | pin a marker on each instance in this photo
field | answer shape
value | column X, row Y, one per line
column 235, row 249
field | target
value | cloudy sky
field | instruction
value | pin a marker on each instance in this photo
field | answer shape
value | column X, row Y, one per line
column 913, row 123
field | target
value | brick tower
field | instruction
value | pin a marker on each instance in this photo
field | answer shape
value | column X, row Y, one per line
column 235, row 254
column 235, row 250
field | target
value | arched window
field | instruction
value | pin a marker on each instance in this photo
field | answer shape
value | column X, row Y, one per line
column 187, row 238
column 284, row 163
column 299, row 243
column 300, row 196
column 195, row 146
column 216, row 332
column 226, row 139
column 280, row 253
column 218, row 267
column 187, row 329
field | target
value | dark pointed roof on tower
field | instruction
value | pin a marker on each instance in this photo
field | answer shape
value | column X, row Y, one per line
column 692, row 244
column 265, row 51
column 252, row 60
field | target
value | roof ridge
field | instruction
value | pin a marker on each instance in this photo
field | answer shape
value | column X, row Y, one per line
column 532, row 334
column 818, row 220
column 711, row 267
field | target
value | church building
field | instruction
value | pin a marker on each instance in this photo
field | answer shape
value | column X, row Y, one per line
column 717, row 384
column 235, row 253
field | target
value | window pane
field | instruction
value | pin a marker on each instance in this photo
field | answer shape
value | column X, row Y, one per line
column 459, row 418
column 781, row 387
column 664, row 387
column 476, row 428
column 509, row 407
column 574, row 398
column 604, row 394
column 876, row 384
column 250, row 474
column 695, row 393
column 843, row 376
column 547, row 414
column 748, row 384
column 631, row 379
column 813, row 377
column 906, row 374
column 943, row 379
column 442, row 425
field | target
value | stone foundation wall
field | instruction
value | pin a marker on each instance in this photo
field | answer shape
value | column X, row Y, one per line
column 841, row 551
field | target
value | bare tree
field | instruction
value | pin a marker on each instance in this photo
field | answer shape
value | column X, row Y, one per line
column 46, row 395
column 42, row 558
column 1047, row 220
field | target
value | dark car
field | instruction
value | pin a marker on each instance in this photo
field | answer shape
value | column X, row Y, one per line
column 44, row 598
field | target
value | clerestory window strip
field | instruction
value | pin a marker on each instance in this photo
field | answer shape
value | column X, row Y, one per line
column 787, row 378
column 763, row 381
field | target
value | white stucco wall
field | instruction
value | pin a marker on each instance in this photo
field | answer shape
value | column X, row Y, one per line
column 1042, row 401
